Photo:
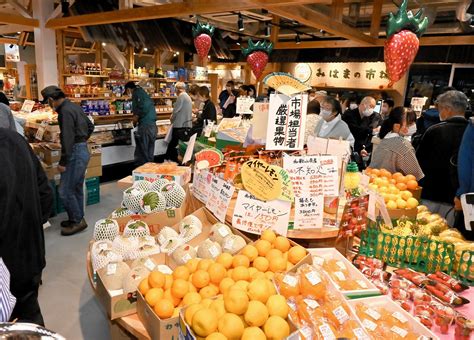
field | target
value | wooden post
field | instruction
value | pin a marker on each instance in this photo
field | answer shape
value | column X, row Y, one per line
column 275, row 29
column 337, row 9
column 157, row 59
column 98, row 54
column 214, row 80
column 181, row 59
column 131, row 57
column 376, row 18
column 61, row 43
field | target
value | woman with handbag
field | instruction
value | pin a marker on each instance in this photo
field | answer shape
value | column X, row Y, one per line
column 208, row 113
column 181, row 121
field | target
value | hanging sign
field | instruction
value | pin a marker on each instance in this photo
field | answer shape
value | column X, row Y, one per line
column 309, row 211
column 313, row 175
column 220, row 195
column 244, row 104
column 255, row 216
column 286, row 122
column 261, row 179
column 12, row 53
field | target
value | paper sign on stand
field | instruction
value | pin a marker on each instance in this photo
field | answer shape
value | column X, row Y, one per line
column 309, row 212
column 220, row 196
column 255, row 216
column 313, row 176
column 286, row 122
column 27, row 106
column 189, row 150
column 201, row 185
column 326, row 146
column 383, row 211
column 259, row 120
column 244, row 104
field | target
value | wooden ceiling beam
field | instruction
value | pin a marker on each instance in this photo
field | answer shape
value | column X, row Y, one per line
column 376, row 18
column 6, row 29
column 22, row 10
column 165, row 11
column 424, row 41
column 275, row 29
column 309, row 17
column 6, row 18
column 337, row 9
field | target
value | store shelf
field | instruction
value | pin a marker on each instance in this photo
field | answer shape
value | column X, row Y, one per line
column 116, row 98
column 85, row 75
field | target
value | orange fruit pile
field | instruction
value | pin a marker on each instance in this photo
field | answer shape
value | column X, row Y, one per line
column 202, row 279
column 396, row 189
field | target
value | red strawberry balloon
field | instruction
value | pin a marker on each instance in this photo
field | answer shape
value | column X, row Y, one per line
column 257, row 55
column 401, row 47
column 202, row 34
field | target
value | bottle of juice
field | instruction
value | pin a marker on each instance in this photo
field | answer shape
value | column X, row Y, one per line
column 352, row 179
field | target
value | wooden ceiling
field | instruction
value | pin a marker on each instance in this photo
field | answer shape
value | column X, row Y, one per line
column 320, row 23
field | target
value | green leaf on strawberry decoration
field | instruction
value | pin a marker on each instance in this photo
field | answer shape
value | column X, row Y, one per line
column 262, row 45
column 201, row 28
column 406, row 20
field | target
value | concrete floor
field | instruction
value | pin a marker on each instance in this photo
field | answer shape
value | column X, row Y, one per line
column 66, row 298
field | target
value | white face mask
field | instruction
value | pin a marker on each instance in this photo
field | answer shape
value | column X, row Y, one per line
column 325, row 114
column 411, row 130
column 368, row 112
column 353, row 106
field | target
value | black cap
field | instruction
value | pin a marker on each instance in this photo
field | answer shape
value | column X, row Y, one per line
column 51, row 92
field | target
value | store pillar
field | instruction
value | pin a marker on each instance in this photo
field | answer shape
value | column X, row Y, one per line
column 45, row 45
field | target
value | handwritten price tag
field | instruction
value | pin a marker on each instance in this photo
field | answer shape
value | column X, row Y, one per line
column 41, row 130
column 255, row 216
column 219, row 197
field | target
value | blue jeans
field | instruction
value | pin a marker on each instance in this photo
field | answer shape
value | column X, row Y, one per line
column 72, row 182
column 145, row 138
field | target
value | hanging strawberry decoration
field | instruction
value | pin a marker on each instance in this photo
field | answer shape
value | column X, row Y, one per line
column 202, row 34
column 257, row 55
column 401, row 47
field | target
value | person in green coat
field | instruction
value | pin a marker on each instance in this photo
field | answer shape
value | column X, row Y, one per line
column 144, row 116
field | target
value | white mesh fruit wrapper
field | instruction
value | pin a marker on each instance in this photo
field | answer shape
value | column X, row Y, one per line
column 174, row 195
column 102, row 254
column 121, row 212
column 127, row 247
column 165, row 234
column 152, row 201
column 132, row 198
column 106, row 229
column 190, row 220
column 144, row 186
column 171, row 245
column 136, row 228
column 158, row 184
column 189, row 232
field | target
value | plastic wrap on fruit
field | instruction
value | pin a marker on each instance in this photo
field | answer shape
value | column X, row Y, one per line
column 447, row 280
column 444, row 316
column 415, row 277
column 419, row 296
column 364, row 261
column 423, row 313
column 288, row 284
column 403, row 303
column 445, row 294
column 464, row 328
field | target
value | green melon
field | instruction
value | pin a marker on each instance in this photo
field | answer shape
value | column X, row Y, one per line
column 144, row 186
column 121, row 212
column 152, row 201
column 174, row 195
column 106, row 229
column 218, row 232
column 132, row 198
column 113, row 274
column 158, row 184
column 136, row 229
column 209, row 250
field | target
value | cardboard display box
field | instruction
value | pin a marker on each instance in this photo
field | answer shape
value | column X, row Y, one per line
column 116, row 303
column 390, row 305
column 94, row 149
column 208, row 220
column 181, row 175
column 95, row 160
column 398, row 213
column 157, row 329
column 95, row 171
column 332, row 253
column 49, row 153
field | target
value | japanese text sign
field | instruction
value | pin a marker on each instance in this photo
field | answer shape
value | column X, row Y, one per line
column 254, row 216
column 313, row 175
column 261, row 179
column 220, row 194
column 309, row 212
column 286, row 122
column 244, row 104
column 201, row 185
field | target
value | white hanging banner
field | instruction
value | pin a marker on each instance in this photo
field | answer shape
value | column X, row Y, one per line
column 286, row 122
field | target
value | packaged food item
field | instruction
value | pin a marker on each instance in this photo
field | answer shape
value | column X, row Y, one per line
column 447, row 280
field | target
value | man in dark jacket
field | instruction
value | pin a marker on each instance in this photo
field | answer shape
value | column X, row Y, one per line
column 228, row 100
column 144, row 113
column 437, row 152
column 362, row 121
column 25, row 205
column 76, row 129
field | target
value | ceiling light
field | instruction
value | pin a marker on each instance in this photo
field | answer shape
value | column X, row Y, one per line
column 208, row 57
column 298, row 39
column 240, row 23
column 145, row 49
column 104, row 44
column 18, row 32
column 268, row 30
column 177, row 53
column 174, row 55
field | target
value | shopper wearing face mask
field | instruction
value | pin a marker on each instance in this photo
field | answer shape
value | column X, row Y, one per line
column 394, row 152
column 363, row 123
column 387, row 107
column 331, row 125
column 228, row 100
column 437, row 153
column 411, row 124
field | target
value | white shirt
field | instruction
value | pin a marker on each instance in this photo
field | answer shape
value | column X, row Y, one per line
column 327, row 126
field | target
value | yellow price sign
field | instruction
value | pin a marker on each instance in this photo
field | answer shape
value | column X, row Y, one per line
column 262, row 180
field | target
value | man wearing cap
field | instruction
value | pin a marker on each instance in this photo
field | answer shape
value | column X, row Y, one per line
column 144, row 114
column 76, row 129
